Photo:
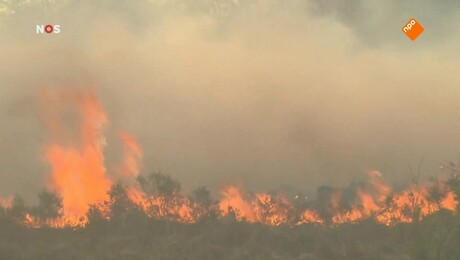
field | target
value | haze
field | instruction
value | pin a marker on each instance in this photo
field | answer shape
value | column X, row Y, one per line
column 261, row 93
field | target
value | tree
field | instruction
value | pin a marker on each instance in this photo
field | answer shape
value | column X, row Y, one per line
column 202, row 196
column 120, row 205
column 95, row 215
column 49, row 206
column 159, row 184
column 18, row 209
column 437, row 191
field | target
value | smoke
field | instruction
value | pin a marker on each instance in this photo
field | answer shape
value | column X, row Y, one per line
column 266, row 93
column 376, row 22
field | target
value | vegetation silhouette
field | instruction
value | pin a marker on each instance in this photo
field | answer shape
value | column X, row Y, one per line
column 129, row 233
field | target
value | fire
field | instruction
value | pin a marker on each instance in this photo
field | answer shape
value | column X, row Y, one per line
column 78, row 171
column 77, row 162
column 61, row 222
column 310, row 216
column 169, row 208
column 79, row 177
column 388, row 207
column 449, row 202
column 262, row 207
column 132, row 154
column 233, row 200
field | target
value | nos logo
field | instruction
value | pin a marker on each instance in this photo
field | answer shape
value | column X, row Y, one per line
column 48, row 28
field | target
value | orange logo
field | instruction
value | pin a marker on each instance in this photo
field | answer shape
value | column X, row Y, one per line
column 412, row 29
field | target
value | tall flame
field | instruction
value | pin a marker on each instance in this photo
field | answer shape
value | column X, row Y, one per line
column 78, row 172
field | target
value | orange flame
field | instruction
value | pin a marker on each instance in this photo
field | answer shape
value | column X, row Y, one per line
column 78, row 171
column 449, row 202
column 132, row 154
column 310, row 216
column 262, row 207
column 412, row 204
column 170, row 208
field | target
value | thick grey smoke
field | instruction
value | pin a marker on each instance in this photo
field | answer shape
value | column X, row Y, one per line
column 264, row 93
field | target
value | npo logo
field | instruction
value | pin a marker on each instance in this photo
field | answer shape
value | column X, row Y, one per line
column 409, row 25
column 412, row 29
column 48, row 28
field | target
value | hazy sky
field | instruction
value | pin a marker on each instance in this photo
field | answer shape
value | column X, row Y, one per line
column 265, row 93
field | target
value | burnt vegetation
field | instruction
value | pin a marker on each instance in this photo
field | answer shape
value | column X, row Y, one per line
column 120, row 228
